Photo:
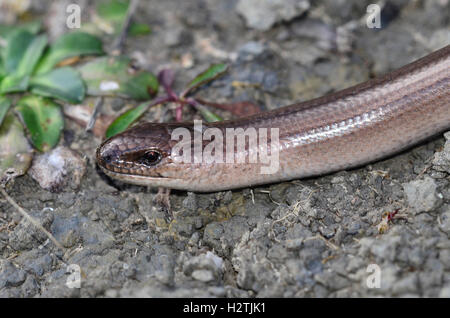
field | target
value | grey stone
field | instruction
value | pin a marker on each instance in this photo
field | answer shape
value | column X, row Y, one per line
column 190, row 203
column 40, row 265
column 445, row 222
column 405, row 285
column 202, row 275
column 441, row 160
column 252, row 48
column 262, row 15
column 57, row 169
column 445, row 292
column 205, row 267
column 27, row 236
column 422, row 194
column 11, row 276
column 444, row 257
column 30, row 287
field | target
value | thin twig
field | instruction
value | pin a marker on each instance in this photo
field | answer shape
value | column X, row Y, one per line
column 269, row 194
column 30, row 218
column 98, row 105
column 117, row 45
column 320, row 237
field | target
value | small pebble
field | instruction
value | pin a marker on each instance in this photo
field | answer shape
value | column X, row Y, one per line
column 58, row 169
column 422, row 194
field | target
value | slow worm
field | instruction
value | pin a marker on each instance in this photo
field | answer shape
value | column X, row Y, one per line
column 346, row 129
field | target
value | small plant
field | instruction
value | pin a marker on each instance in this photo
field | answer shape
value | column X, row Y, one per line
column 29, row 66
column 36, row 77
column 166, row 79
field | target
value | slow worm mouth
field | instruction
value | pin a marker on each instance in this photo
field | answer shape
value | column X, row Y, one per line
column 126, row 175
column 141, row 180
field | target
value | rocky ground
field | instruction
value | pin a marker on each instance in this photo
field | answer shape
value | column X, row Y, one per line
column 305, row 238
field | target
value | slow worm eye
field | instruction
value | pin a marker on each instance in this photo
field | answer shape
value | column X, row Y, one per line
column 151, row 158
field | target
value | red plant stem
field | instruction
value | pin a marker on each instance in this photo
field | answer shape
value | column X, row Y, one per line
column 179, row 112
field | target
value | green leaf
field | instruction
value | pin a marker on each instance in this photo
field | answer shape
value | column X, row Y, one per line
column 69, row 45
column 15, row 152
column 208, row 115
column 32, row 27
column 63, row 83
column 126, row 119
column 31, row 55
column 115, row 76
column 14, row 83
column 17, row 81
column 142, row 86
column 114, row 10
column 5, row 103
column 2, row 68
column 139, row 29
column 43, row 119
column 211, row 73
column 15, row 49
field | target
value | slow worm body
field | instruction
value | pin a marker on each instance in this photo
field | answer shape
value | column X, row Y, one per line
column 342, row 130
